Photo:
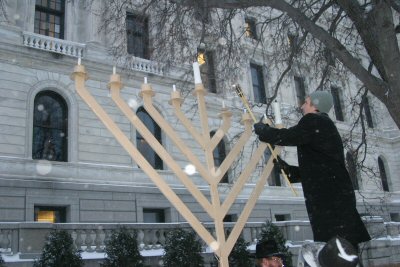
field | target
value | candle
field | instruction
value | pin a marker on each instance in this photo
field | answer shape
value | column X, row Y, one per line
column 244, row 110
column 145, row 79
column 196, row 71
column 174, row 88
column 79, row 61
column 223, row 104
column 277, row 112
column 114, row 70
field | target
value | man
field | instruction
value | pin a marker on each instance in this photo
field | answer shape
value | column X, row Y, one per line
column 268, row 255
column 328, row 191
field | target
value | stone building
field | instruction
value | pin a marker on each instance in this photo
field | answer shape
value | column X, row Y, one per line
column 60, row 164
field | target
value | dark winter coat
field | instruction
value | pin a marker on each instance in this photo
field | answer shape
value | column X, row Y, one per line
column 328, row 191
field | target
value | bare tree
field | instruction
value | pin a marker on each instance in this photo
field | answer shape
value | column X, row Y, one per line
column 357, row 36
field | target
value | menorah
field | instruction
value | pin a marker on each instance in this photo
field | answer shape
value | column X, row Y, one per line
column 214, row 206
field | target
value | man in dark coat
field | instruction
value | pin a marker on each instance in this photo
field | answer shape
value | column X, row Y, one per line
column 328, row 191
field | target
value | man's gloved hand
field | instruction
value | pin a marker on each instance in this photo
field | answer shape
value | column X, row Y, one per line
column 281, row 164
column 259, row 127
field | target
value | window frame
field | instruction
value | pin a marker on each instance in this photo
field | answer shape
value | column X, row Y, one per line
column 156, row 161
column 49, row 12
column 337, row 103
column 133, row 33
column 367, row 112
column 219, row 155
column 50, row 128
column 300, row 89
column 251, row 28
column 207, row 69
column 259, row 90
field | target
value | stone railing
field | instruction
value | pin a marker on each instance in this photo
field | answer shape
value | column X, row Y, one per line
column 27, row 238
column 55, row 45
column 145, row 65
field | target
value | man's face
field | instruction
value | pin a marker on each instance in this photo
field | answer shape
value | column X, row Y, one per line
column 272, row 262
column 308, row 107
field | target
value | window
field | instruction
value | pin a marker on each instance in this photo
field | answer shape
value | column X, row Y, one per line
column 50, row 214
column 382, row 172
column 219, row 154
column 352, row 169
column 275, row 177
column 300, row 90
column 395, row 217
column 137, row 35
column 329, row 57
column 50, row 127
column 142, row 144
column 282, row 217
column 258, row 83
column 230, row 218
column 337, row 104
column 153, row 215
column 293, row 40
column 49, row 18
column 251, row 29
column 367, row 112
column 206, row 62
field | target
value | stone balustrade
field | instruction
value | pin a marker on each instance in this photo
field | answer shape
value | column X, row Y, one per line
column 27, row 238
column 55, row 45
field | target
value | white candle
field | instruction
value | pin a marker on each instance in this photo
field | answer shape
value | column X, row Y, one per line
column 277, row 112
column 174, row 88
column 196, row 71
column 114, row 70
column 145, row 79
column 223, row 104
column 79, row 61
column 244, row 110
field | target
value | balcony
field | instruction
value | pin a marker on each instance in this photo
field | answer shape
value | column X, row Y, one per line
column 54, row 45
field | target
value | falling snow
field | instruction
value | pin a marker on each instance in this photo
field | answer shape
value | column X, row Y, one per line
column 190, row 169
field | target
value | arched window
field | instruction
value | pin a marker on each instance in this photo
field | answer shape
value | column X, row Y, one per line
column 142, row 145
column 50, row 127
column 382, row 171
column 219, row 154
column 352, row 169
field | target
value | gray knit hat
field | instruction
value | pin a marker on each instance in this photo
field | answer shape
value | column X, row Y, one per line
column 322, row 100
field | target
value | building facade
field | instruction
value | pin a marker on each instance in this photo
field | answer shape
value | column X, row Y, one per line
column 59, row 163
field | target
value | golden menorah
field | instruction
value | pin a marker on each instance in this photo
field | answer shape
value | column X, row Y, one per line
column 214, row 206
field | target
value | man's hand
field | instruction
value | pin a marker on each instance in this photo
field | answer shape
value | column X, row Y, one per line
column 281, row 164
column 259, row 127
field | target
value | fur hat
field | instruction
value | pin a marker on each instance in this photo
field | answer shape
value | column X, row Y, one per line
column 268, row 248
column 322, row 100
column 336, row 252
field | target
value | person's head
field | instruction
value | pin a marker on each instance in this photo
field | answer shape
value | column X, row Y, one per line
column 268, row 254
column 318, row 101
column 336, row 252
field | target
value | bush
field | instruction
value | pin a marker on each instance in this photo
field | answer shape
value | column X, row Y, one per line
column 271, row 231
column 122, row 250
column 240, row 256
column 182, row 249
column 59, row 251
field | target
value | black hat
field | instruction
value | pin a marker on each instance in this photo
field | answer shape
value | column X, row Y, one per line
column 268, row 248
column 336, row 252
